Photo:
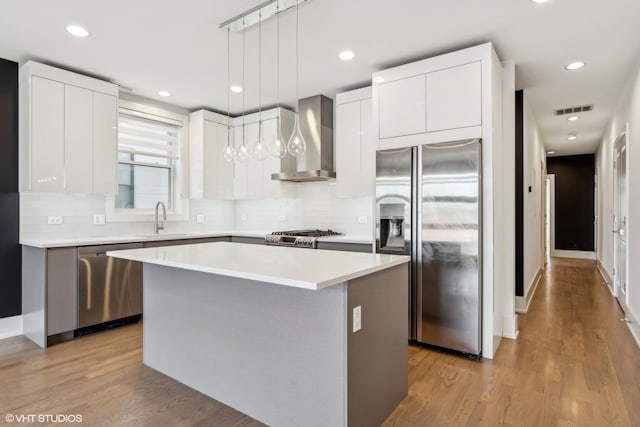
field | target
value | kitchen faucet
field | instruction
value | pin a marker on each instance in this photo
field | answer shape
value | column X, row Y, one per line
column 157, row 226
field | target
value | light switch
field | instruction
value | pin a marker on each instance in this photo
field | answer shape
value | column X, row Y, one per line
column 357, row 318
column 199, row 219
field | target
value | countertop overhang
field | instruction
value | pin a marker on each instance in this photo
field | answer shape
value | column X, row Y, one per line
column 297, row 267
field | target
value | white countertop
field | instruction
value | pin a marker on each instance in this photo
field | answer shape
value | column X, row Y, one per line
column 297, row 267
column 63, row 242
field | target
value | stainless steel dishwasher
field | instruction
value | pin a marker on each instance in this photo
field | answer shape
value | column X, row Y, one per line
column 108, row 288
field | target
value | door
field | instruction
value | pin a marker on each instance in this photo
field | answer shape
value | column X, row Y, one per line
column 620, row 222
column 449, row 282
column 394, row 192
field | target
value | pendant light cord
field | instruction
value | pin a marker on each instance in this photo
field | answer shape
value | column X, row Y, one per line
column 228, row 86
column 297, row 60
column 278, row 55
column 244, row 32
column 260, row 75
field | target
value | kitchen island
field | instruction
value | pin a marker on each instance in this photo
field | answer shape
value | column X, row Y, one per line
column 269, row 330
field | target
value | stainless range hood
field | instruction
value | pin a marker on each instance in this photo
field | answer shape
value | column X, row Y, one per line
column 316, row 124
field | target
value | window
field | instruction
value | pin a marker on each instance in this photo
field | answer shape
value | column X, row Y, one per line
column 152, row 147
column 147, row 151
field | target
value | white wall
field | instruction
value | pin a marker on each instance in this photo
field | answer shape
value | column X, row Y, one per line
column 627, row 112
column 533, row 153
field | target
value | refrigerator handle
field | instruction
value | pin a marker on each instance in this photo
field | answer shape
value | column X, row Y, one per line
column 451, row 144
column 416, row 238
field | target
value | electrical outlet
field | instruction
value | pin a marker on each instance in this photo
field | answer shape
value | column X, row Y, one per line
column 54, row 220
column 98, row 219
column 199, row 219
column 357, row 318
column 363, row 220
column 282, row 218
column 243, row 217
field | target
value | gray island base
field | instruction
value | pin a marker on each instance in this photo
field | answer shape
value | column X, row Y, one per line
column 282, row 354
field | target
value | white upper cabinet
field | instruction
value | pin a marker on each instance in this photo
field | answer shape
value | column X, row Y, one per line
column 402, row 107
column 454, row 97
column 434, row 100
column 210, row 176
column 78, row 142
column 45, row 146
column 68, row 131
column 105, row 152
column 354, row 144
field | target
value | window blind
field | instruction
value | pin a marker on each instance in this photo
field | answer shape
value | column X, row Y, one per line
column 144, row 135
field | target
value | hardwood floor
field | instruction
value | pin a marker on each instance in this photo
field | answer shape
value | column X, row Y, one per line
column 574, row 364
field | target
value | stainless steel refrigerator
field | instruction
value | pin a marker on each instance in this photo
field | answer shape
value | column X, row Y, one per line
column 429, row 206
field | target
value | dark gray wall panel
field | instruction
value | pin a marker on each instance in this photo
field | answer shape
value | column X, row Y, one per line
column 574, row 201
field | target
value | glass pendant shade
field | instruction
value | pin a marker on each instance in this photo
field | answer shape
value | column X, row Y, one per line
column 278, row 147
column 228, row 154
column 242, row 153
column 260, row 149
column 296, row 145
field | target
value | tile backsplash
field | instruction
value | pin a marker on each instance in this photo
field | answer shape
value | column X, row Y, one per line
column 77, row 212
column 316, row 206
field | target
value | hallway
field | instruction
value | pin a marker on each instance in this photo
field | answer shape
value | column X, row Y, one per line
column 574, row 364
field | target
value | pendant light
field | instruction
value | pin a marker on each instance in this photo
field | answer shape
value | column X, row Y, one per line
column 278, row 147
column 228, row 151
column 297, row 145
column 242, row 153
column 260, row 150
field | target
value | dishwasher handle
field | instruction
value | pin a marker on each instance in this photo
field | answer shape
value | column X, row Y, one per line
column 98, row 255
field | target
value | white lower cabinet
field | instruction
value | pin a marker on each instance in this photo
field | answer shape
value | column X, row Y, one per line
column 354, row 144
column 68, row 131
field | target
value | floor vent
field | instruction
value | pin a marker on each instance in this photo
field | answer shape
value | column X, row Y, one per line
column 573, row 110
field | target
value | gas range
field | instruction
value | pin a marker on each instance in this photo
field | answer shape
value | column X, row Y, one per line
column 298, row 238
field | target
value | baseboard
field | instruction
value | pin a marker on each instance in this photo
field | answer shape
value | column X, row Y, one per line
column 633, row 325
column 573, row 254
column 10, row 326
column 510, row 327
column 605, row 275
column 522, row 303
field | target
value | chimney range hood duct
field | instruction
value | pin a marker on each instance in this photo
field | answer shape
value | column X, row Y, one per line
column 316, row 124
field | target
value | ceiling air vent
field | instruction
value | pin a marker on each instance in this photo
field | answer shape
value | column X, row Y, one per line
column 573, row 110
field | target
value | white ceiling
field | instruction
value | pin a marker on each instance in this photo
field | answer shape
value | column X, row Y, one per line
column 149, row 45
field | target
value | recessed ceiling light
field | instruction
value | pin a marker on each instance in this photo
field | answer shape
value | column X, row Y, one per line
column 346, row 55
column 236, row 89
column 572, row 136
column 164, row 93
column 77, row 31
column 551, row 152
column 379, row 79
column 573, row 118
column 539, row 1
column 575, row 65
